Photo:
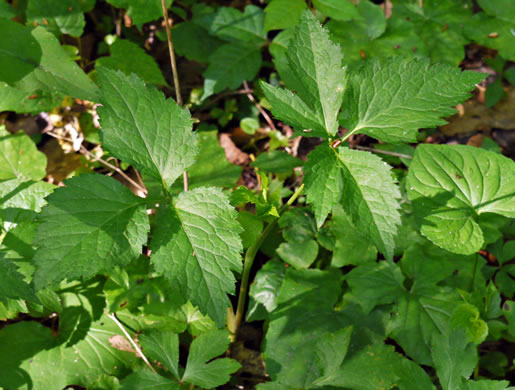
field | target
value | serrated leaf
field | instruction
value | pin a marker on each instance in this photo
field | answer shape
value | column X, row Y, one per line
column 88, row 227
column 162, row 346
column 196, row 245
column 375, row 284
column 148, row 380
column 58, row 16
column 391, row 100
column 363, row 184
column 34, row 59
column 203, row 349
column 230, row 65
column 486, row 384
column 141, row 127
column 450, row 186
column 282, row 14
column 130, row 58
column 12, row 284
column 454, row 358
column 314, row 71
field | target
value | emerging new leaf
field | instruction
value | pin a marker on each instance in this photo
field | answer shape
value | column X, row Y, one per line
column 391, row 100
column 450, row 186
column 316, row 75
column 141, row 127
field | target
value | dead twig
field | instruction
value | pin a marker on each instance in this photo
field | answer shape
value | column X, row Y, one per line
column 261, row 110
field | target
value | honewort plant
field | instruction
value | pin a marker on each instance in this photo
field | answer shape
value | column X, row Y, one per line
column 384, row 287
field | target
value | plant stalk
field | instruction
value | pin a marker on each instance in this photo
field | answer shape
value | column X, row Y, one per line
column 175, row 73
column 233, row 322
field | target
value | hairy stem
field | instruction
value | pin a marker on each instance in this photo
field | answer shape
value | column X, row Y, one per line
column 233, row 322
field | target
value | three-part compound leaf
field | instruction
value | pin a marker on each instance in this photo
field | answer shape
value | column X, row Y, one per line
column 450, row 186
column 364, row 186
column 391, row 100
column 196, row 245
column 88, row 227
column 316, row 75
column 203, row 349
column 141, row 127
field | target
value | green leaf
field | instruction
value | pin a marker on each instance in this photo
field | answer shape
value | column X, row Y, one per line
column 88, row 227
column 373, row 17
column 34, row 59
column 19, row 157
column 351, row 247
column 196, row 245
column 282, row 14
column 234, row 26
column 486, row 384
column 502, row 9
column 142, row 11
column 344, row 175
column 130, row 58
column 6, row 11
column 277, row 161
column 146, row 379
column 230, row 65
column 141, row 127
column 314, row 71
column 375, row 284
column 494, row 93
column 193, row 41
column 454, row 358
column 203, row 349
column 337, row 9
column 391, row 100
column 12, row 284
column 212, row 169
column 450, row 186
column 162, row 346
column 466, row 317
column 265, row 289
column 57, row 16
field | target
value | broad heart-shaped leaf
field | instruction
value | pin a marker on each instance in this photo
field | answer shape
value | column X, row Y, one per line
column 196, row 245
column 162, row 346
column 391, row 100
column 454, row 358
column 34, row 60
column 203, row 349
column 315, row 74
column 141, row 127
column 450, row 186
column 364, row 186
column 88, row 227
column 130, row 58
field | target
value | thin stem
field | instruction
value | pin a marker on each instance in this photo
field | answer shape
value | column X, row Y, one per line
column 128, row 336
column 474, row 269
column 348, row 135
column 400, row 155
column 172, row 55
column 86, row 152
column 175, row 73
column 234, row 323
column 261, row 110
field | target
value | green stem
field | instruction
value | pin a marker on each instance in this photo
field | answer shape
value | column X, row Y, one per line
column 348, row 135
column 233, row 322
column 474, row 273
